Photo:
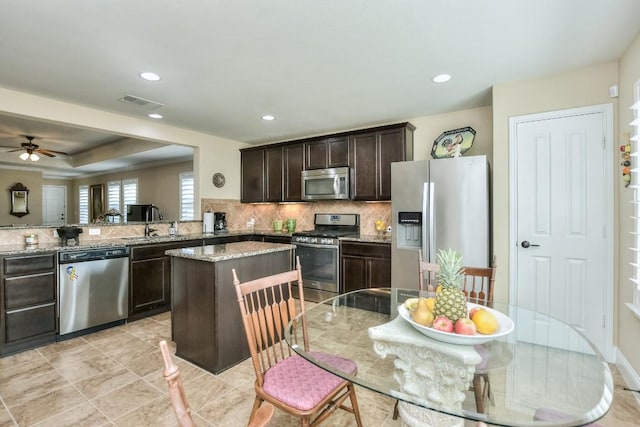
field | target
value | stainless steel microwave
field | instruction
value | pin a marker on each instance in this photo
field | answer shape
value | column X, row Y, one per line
column 325, row 184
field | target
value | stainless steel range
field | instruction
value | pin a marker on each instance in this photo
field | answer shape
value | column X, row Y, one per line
column 319, row 253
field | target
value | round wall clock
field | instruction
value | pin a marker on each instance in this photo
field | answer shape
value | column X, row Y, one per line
column 218, row 179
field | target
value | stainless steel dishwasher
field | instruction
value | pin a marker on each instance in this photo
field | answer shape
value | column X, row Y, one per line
column 93, row 287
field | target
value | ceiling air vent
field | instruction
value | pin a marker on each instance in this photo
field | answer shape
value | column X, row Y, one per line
column 140, row 102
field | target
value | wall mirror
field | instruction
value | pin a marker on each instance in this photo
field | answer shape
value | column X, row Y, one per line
column 19, row 200
column 96, row 201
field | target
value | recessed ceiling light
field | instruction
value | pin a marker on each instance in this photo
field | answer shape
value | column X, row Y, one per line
column 152, row 77
column 155, row 116
column 441, row 78
column 268, row 117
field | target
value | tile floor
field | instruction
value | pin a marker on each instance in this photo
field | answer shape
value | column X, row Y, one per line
column 114, row 377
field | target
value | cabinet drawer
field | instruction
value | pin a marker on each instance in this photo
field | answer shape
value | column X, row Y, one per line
column 369, row 250
column 28, row 264
column 29, row 290
column 30, row 322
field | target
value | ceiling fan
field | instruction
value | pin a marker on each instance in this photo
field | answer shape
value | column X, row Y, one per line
column 31, row 149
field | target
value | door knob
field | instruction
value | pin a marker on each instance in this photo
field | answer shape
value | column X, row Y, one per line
column 525, row 244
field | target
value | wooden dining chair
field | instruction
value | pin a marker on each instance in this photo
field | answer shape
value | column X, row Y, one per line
column 262, row 417
column 179, row 402
column 478, row 287
column 285, row 379
column 427, row 271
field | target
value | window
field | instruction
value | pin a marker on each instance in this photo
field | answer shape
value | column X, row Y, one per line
column 113, row 197
column 120, row 194
column 634, row 141
column 186, row 196
column 83, row 204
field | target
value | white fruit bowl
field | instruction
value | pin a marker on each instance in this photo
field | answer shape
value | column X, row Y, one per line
column 505, row 326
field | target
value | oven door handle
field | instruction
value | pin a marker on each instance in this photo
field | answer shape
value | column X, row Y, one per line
column 312, row 245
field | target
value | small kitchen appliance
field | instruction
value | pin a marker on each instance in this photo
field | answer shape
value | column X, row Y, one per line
column 220, row 223
column 319, row 253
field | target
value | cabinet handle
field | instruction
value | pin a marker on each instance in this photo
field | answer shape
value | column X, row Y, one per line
column 18, row 310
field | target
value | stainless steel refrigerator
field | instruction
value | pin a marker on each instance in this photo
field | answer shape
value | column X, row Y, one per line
column 438, row 204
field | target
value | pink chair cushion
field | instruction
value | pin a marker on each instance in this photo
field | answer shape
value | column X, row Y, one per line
column 302, row 385
column 545, row 414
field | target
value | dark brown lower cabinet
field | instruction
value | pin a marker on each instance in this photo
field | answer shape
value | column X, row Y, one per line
column 365, row 265
column 150, row 278
column 205, row 317
column 28, row 302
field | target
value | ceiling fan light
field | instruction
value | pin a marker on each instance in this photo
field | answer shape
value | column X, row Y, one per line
column 34, row 157
column 24, row 156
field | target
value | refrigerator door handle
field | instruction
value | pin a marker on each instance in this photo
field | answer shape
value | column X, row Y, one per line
column 428, row 224
column 432, row 222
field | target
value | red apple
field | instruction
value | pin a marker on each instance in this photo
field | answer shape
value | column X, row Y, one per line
column 442, row 323
column 474, row 310
column 464, row 326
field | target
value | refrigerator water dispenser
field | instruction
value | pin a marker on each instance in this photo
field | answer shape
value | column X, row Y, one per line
column 409, row 230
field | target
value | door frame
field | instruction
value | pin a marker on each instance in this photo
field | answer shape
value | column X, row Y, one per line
column 607, row 111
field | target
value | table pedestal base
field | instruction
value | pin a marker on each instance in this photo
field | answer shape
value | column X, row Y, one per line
column 429, row 373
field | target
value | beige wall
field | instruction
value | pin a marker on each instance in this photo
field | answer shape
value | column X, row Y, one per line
column 575, row 88
column 428, row 128
column 628, row 325
column 33, row 181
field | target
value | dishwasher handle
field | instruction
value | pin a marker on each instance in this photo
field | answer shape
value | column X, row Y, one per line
column 93, row 254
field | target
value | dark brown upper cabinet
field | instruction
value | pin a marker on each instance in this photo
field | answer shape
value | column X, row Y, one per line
column 371, row 156
column 293, row 165
column 272, row 173
column 327, row 153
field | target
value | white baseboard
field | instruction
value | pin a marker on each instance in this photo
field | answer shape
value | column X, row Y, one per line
column 630, row 376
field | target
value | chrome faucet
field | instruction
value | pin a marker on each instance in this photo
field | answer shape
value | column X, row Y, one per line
column 149, row 210
column 148, row 231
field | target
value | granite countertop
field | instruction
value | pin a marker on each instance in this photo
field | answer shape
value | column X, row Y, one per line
column 369, row 238
column 215, row 253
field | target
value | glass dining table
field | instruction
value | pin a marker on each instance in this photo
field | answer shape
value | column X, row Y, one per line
column 543, row 372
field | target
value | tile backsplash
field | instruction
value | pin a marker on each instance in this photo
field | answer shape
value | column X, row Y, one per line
column 238, row 214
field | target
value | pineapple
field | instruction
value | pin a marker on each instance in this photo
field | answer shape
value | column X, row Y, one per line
column 450, row 301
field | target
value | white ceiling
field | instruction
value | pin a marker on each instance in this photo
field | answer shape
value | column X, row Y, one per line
column 317, row 66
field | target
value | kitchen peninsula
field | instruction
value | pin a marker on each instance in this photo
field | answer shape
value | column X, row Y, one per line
column 205, row 320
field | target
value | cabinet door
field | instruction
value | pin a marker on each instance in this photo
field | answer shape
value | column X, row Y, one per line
column 293, row 166
column 391, row 148
column 354, row 273
column 252, row 165
column 150, row 285
column 337, row 152
column 273, row 174
column 378, row 273
column 364, row 171
column 316, row 154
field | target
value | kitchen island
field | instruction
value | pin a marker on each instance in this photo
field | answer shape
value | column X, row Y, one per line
column 205, row 319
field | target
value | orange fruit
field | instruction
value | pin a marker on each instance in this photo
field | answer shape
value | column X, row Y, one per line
column 486, row 322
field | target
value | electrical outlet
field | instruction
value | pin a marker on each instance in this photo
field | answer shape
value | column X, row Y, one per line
column 94, row 232
column 388, row 229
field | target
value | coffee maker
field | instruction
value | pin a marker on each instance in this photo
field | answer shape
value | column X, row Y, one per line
column 220, row 223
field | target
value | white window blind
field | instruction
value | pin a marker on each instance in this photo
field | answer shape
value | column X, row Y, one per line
column 186, row 196
column 635, row 142
column 120, row 194
column 83, row 204
column 129, row 193
column 113, row 195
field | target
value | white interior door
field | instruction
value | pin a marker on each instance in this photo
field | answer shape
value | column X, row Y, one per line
column 561, row 264
column 54, row 205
